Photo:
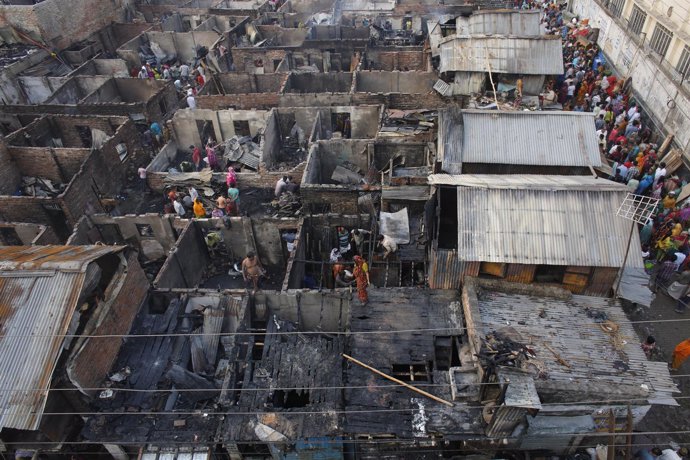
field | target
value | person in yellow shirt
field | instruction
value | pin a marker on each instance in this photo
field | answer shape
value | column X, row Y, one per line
column 199, row 211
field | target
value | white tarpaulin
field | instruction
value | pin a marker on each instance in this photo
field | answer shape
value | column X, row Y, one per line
column 396, row 225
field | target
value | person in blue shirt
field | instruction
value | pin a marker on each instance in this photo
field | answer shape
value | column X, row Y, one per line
column 157, row 133
column 645, row 183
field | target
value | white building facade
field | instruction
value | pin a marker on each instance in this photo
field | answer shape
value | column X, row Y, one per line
column 649, row 40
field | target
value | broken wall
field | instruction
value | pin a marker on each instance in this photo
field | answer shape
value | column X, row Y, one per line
column 75, row 89
column 182, row 46
column 139, row 231
column 39, row 88
column 187, row 261
column 340, row 82
column 309, row 310
column 186, row 124
column 396, row 58
column 111, row 67
column 25, row 234
column 395, row 82
column 257, row 60
column 47, row 22
column 102, row 171
column 268, row 240
column 10, row 90
column 59, row 165
column 241, row 83
column 93, row 357
column 319, row 192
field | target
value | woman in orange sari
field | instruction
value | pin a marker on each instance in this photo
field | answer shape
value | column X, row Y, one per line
column 361, row 273
column 680, row 354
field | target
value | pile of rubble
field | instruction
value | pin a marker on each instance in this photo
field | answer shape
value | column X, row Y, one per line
column 288, row 205
column 505, row 348
column 242, row 149
column 408, row 122
column 35, row 186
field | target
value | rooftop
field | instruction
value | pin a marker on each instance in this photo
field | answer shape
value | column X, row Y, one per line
column 39, row 289
column 585, row 347
column 549, row 220
column 559, row 139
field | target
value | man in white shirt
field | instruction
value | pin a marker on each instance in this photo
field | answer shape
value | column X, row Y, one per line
column 659, row 173
column 387, row 244
column 184, row 72
column 191, row 102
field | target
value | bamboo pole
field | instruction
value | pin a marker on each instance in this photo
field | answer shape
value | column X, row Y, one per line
column 399, row 382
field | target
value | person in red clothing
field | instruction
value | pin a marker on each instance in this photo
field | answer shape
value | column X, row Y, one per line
column 196, row 156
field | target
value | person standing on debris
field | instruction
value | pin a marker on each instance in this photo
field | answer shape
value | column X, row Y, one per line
column 281, row 186
column 218, row 211
column 143, row 73
column 680, row 354
column 343, row 241
column 193, row 193
column 648, row 346
column 199, row 211
column 231, row 177
column 179, row 207
column 361, row 274
column 358, row 235
column 196, row 156
column 233, row 206
column 191, row 101
column 387, row 244
column 157, row 132
column 142, row 179
column 252, row 271
column 292, row 186
column 221, row 202
column 211, row 156
column 184, row 73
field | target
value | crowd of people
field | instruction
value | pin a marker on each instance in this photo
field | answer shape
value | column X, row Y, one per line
column 625, row 138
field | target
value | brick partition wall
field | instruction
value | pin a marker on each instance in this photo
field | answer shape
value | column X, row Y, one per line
column 239, row 101
column 94, row 357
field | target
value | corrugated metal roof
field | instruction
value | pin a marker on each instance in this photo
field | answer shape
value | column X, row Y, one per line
column 39, row 289
column 506, row 54
column 51, row 257
column 554, row 220
column 520, row 23
column 524, row 138
column 526, row 181
column 592, row 353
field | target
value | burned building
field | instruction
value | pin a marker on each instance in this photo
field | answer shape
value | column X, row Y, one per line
column 51, row 297
column 60, row 167
column 483, row 324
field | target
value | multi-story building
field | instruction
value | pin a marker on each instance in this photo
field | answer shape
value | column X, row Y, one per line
column 649, row 41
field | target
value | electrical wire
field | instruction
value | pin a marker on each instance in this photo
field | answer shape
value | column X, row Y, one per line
column 279, row 333
column 397, row 441
column 188, row 390
column 209, row 413
column 231, row 334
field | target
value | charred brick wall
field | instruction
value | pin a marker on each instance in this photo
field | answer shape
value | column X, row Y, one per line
column 94, row 357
